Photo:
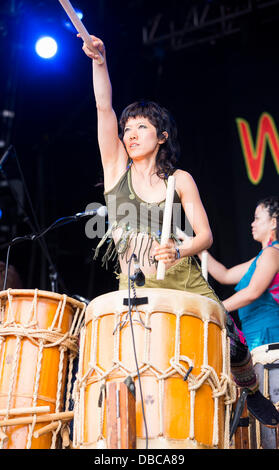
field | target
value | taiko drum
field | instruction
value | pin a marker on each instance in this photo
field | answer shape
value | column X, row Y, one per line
column 183, row 356
column 38, row 333
column 266, row 364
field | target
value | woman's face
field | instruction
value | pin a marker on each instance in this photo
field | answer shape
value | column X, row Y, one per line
column 140, row 138
column 262, row 225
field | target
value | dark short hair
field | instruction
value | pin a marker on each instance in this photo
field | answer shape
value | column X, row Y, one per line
column 271, row 203
column 162, row 120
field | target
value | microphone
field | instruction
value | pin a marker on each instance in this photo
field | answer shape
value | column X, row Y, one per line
column 102, row 211
column 5, row 156
column 138, row 277
column 81, row 299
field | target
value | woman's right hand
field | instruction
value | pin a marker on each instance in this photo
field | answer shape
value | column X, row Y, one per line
column 97, row 44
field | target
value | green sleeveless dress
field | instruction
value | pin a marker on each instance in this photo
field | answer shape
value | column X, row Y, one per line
column 126, row 211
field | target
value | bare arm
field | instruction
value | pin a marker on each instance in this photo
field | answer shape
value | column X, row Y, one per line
column 113, row 153
column 226, row 275
column 193, row 207
column 267, row 267
column 195, row 212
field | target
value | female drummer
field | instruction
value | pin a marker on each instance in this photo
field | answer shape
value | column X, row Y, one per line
column 136, row 165
column 257, row 280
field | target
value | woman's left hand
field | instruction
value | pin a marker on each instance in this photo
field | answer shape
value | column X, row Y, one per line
column 165, row 252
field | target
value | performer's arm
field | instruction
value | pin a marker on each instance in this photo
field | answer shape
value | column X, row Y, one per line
column 196, row 214
column 267, row 267
column 113, row 153
column 225, row 275
column 193, row 207
column 202, row 239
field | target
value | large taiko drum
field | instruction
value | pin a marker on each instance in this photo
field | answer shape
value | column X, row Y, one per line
column 183, row 358
column 39, row 333
column 266, row 363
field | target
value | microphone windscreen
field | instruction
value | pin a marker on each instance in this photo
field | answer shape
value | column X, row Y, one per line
column 102, row 211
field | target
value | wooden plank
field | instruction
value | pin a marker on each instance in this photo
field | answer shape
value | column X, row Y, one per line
column 112, row 432
column 241, row 437
column 121, row 417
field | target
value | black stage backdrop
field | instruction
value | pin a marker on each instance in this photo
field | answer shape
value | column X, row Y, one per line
column 206, row 87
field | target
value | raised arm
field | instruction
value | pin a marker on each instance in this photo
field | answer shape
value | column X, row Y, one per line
column 113, row 153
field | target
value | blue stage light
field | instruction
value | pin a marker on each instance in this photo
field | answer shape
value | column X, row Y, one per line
column 69, row 24
column 46, row 47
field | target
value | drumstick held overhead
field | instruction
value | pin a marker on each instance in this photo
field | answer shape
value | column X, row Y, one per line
column 80, row 28
column 166, row 223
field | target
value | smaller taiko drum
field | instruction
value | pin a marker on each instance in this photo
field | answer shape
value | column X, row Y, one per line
column 39, row 333
column 184, row 367
column 266, row 363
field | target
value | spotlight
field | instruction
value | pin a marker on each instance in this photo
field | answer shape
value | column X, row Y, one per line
column 46, row 47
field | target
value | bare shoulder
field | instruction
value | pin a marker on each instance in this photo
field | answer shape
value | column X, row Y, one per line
column 182, row 175
column 269, row 256
column 184, row 182
column 271, row 251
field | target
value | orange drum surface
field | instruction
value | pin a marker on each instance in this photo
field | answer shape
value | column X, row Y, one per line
column 38, row 338
column 177, row 334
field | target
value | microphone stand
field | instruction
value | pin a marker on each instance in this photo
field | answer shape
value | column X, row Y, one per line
column 36, row 236
column 53, row 275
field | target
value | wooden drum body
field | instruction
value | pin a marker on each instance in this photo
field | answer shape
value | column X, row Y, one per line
column 183, row 357
column 266, row 363
column 38, row 343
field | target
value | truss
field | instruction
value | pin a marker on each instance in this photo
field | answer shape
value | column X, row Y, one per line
column 205, row 22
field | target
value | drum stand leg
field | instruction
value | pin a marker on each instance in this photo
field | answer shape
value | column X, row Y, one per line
column 242, row 432
column 121, row 415
column 241, row 438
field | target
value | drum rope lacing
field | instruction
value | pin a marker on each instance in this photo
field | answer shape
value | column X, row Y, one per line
column 42, row 338
column 221, row 387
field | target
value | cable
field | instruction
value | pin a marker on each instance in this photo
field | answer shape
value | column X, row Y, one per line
column 34, row 226
column 134, row 347
column 34, row 237
column 6, row 268
column 13, row 242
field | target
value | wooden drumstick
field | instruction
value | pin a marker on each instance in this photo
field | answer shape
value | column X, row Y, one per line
column 65, row 434
column 63, row 416
column 66, row 4
column 204, row 264
column 24, row 411
column 44, row 430
column 166, row 223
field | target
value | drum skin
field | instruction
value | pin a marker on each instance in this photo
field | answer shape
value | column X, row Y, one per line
column 26, row 367
column 266, row 365
column 166, row 395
